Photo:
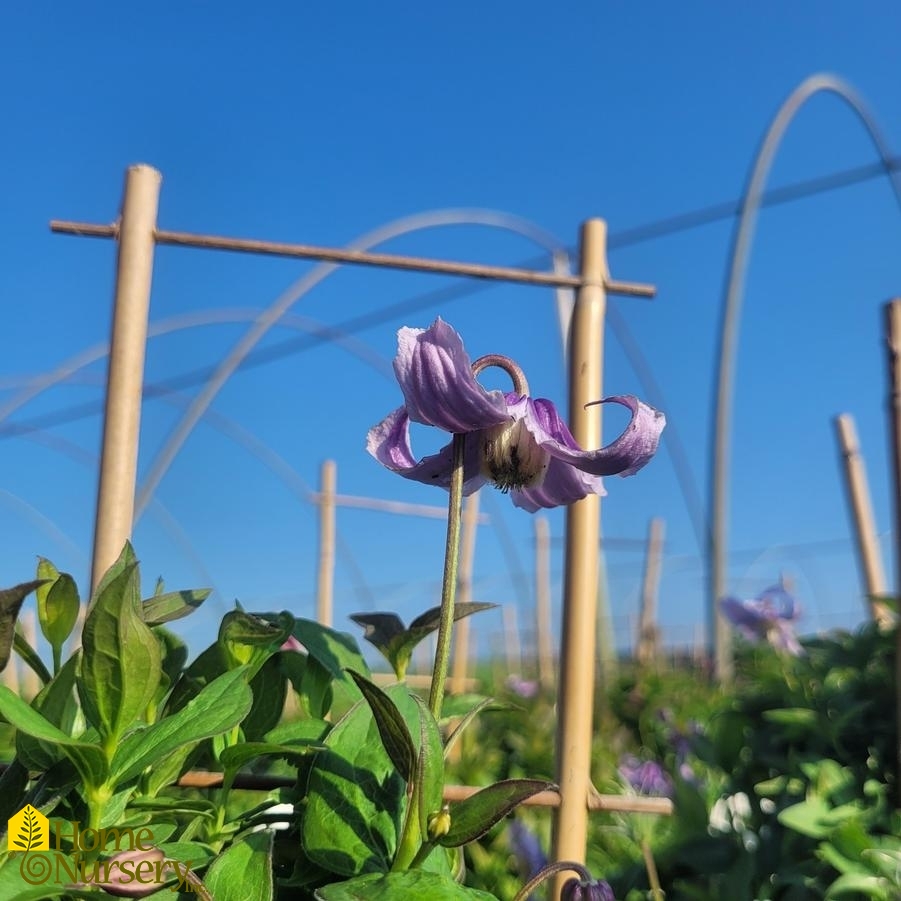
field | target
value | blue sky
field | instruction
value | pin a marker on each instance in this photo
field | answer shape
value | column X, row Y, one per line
column 319, row 123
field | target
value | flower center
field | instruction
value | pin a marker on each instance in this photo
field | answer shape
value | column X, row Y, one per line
column 511, row 458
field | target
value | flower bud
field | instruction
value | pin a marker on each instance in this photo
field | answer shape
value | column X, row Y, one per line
column 439, row 823
column 586, row 890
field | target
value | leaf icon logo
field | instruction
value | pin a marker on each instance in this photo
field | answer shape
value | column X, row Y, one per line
column 28, row 831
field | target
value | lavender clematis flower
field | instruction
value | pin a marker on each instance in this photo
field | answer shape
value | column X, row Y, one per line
column 587, row 890
column 516, row 442
column 646, row 777
column 768, row 617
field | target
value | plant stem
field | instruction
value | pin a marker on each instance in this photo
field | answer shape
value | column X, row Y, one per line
column 651, row 867
column 449, row 586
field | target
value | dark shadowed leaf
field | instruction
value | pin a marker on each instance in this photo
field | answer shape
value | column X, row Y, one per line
column 11, row 600
column 392, row 728
column 397, row 643
column 478, row 813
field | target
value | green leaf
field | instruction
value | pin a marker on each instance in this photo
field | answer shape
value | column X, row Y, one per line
column 163, row 608
column 120, row 665
column 393, row 730
column 402, row 886
column 220, row 706
column 429, row 767
column 88, row 758
column 853, row 885
column 270, row 688
column 336, row 651
column 56, row 703
column 791, row 716
column 355, row 796
column 807, row 817
column 396, row 642
column 58, row 604
column 30, row 656
column 478, row 813
column 11, row 600
column 467, row 718
column 237, row 756
column 250, row 640
column 244, row 871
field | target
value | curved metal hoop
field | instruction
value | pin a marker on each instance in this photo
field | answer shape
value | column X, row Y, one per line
column 733, row 294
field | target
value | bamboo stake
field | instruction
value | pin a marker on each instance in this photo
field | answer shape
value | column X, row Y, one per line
column 460, row 669
column 326, row 580
column 544, row 637
column 122, row 418
column 862, row 519
column 893, row 340
column 358, row 257
column 577, row 653
column 648, row 633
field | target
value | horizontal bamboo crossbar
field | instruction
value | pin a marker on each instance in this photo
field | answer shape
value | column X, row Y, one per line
column 356, row 257
column 596, row 801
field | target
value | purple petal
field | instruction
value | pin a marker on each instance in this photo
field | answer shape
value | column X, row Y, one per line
column 781, row 602
column 625, row 456
column 389, row 443
column 435, row 375
column 563, row 484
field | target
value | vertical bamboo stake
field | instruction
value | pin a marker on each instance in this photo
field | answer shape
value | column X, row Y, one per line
column 512, row 645
column 325, row 583
column 575, row 695
column 122, row 418
column 648, row 633
column 863, row 521
column 543, row 635
column 893, row 339
column 460, row 668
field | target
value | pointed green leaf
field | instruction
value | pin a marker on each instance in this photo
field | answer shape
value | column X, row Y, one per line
column 88, row 758
column 120, row 665
column 396, row 643
column 163, row 608
column 56, row 703
column 11, row 600
column 355, row 798
column 392, row 728
column 429, row 767
column 402, row 886
column 30, row 656
column 237, row 756
column 220, row 706
column 478, row 813
column 243, row 872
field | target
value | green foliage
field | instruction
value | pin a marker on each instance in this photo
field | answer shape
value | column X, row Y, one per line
column 397, row 642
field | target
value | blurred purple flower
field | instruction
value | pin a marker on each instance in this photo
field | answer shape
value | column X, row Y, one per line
column 529, row 855
column 524, row 688
column 646, row 777
column 516, row 442
column 586, row 890
column 768, row 617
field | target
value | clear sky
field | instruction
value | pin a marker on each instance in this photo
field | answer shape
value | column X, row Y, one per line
column 318, row 123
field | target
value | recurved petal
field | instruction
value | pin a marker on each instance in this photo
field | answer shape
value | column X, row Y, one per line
column 563, row 484
column 435, row 374
column 389, row 443
column 624, row 456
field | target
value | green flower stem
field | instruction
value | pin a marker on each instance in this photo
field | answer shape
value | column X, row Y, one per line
column 651, row 867
column 449, row 587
